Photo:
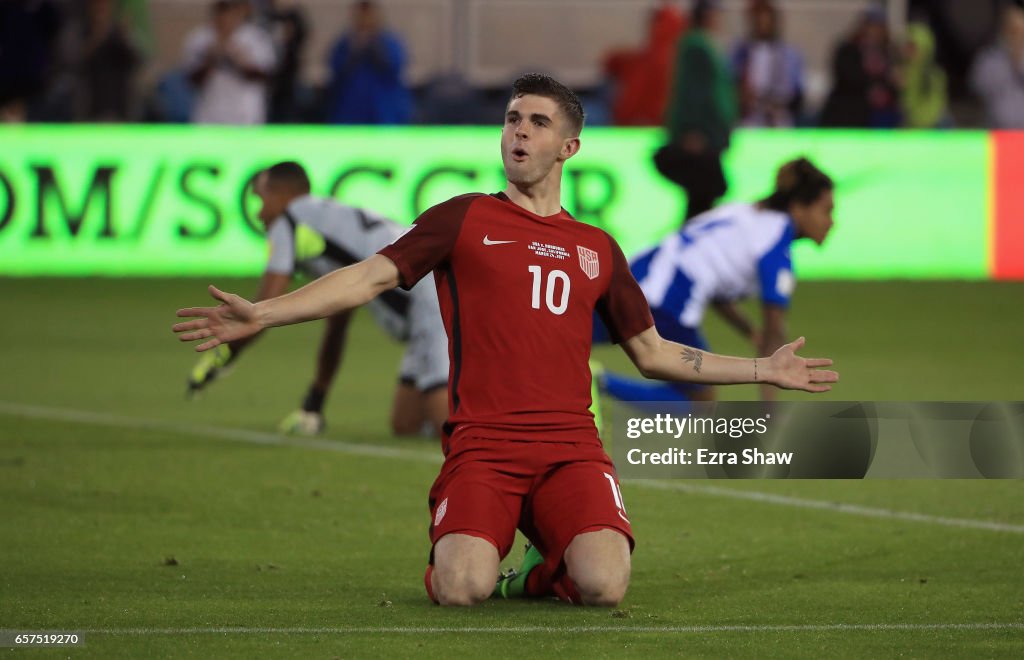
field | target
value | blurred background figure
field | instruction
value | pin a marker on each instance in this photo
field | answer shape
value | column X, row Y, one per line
column 925, row 97
column 769, row 72
column 366, row 72
column 701, row 114
column 28, row 31
column 450, row 100
column 734, row 252
column 864, row 92
column 998, row 73
column 641, row 77
column 105, row 59
column 289, row 30
column 229, row 62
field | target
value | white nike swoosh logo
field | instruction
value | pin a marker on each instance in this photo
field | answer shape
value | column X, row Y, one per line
column 488, row 241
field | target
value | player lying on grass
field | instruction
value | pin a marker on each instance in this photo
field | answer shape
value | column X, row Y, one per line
column 518, row 280
column 318, row 236
column 720, row 257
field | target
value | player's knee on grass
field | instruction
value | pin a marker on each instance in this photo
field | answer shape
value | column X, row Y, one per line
column 465, row 569
column 435, row 403
column 598, row 564
column 405, row 426
column 406, row 411
column 416, row 412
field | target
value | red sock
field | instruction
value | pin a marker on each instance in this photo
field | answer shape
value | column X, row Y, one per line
column 428, row 584
column 540, row 584
column 566, row 591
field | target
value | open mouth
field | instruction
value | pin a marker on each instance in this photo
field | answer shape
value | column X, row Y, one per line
column 519, row 154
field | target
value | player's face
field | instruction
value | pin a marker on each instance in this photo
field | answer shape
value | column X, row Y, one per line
column 534, row 139
column 273, row 200
column 814, row 220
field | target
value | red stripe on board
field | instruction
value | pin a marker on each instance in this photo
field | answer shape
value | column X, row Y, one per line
column 1008, row 205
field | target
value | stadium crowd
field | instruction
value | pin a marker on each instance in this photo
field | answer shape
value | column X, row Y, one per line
column 82, row 60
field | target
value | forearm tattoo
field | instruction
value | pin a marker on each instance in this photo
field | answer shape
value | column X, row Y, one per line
column 690, row 355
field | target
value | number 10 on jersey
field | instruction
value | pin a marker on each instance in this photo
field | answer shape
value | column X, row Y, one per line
column 554, row 278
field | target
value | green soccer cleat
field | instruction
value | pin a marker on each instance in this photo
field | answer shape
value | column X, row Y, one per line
column 501, row 588
column 211, row 365
column 512, row 583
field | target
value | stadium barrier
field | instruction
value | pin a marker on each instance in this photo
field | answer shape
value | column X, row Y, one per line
column 176, row 200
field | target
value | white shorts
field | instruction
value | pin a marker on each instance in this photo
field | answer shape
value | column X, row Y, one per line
column 425, row 362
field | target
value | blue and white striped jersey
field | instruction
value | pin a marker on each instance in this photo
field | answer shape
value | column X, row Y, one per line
column 730, row 252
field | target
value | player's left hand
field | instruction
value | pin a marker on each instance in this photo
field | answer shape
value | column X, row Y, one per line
column 232, row 320
column 789, row 371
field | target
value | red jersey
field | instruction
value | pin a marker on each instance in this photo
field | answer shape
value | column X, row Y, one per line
column 517, row 293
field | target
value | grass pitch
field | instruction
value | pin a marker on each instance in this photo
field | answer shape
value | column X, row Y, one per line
column 162, row 528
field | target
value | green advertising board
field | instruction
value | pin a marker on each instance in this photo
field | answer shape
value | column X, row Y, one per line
column 176, row 200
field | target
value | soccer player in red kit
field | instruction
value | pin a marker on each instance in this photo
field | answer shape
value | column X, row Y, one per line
column 518, row 282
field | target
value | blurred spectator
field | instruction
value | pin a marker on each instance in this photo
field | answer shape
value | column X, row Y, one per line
column 171, row 99
column 366, row 73
column 998, row 73
column 28, row 30
column 864, row 92
column 962, row 31
column 450, row 99
column 105, row 59
column 642, row 76
column 768, row 71
column 701, row 115
column 134, row 16
column 925, row 100
column 229, row 61
column 289, row 30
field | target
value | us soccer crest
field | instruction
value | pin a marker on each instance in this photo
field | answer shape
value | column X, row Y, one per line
column 589, row 262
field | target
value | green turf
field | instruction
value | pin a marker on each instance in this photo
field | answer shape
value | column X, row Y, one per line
column 299, row 537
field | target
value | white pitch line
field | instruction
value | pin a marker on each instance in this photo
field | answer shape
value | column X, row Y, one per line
column 499, row 630
column 357, row 449
column 220, row 432
column 837, row 507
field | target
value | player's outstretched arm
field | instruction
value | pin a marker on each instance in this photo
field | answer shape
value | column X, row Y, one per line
column 236, row 318
column 665, row 360
column 773, row 337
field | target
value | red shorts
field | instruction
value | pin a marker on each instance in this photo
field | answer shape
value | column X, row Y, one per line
column 552, row 491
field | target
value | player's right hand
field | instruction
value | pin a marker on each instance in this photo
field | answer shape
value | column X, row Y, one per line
column 208, row 368
column 233, row 319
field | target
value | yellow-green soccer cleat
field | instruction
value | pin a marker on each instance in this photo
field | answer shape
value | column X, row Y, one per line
column 211, row 364
column 303, row 422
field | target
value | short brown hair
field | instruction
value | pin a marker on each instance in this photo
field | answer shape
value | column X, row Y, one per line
column 290, row 175
column 539, row 84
